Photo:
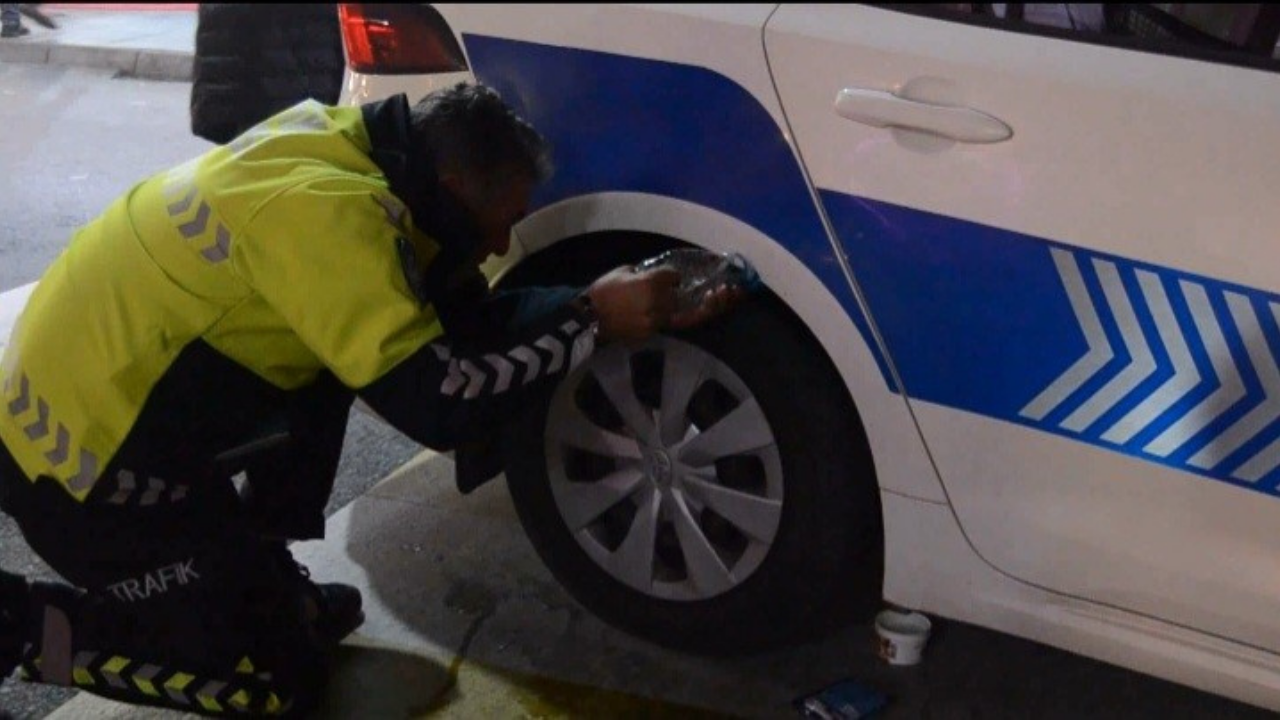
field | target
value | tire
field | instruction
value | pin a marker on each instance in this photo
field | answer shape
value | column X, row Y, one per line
column 822, row 565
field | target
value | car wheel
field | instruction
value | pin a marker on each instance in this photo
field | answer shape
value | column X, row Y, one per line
column 711, row 491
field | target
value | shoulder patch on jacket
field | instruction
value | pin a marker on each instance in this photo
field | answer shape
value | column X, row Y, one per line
column 395, row 211
column 412, row 268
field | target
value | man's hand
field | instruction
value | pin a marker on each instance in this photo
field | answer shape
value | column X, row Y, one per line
column 714, row 304
column 632, row 306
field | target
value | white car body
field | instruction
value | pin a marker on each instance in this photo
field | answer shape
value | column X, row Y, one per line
column 1084, row 316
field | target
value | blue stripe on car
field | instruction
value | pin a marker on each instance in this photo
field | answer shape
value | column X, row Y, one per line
column 1158, row 364
column 626, row 124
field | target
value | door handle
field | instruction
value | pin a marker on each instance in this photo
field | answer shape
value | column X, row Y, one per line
column 886, row 110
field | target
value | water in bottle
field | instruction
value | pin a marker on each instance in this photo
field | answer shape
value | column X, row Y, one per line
column 703, row 271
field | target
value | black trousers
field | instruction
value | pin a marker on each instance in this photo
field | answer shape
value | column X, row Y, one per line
column 184, row 593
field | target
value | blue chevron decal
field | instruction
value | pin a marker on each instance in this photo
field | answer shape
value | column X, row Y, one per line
column 1152, row 362
column 1151, row 410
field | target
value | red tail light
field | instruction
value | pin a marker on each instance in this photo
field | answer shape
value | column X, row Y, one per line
column 390, row 39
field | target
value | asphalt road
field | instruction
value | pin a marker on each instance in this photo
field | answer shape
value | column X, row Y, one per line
column 71, row 141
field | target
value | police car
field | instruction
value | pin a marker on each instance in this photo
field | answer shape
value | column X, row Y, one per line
column 1017, row 359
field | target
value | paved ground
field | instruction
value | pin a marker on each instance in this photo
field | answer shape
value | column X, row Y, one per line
column 149, row 41
column 73, row 140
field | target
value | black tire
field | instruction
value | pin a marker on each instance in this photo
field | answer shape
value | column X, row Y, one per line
column 824, row 567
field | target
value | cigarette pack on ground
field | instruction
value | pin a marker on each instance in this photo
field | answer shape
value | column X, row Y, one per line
column 845, row 700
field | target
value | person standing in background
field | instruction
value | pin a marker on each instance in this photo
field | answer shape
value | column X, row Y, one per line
column 11, row 21
column 254, row 60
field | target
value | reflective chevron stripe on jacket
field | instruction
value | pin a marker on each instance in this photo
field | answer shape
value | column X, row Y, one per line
column 495, row 373
column 237, row 277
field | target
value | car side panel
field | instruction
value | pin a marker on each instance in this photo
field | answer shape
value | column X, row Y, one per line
column 1085, row 316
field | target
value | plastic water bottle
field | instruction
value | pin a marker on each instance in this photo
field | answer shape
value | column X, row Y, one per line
column 703, row 271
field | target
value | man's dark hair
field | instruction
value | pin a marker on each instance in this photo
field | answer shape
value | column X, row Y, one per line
column 469, row 128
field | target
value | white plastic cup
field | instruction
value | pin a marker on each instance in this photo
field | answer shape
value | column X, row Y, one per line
column 903, row 636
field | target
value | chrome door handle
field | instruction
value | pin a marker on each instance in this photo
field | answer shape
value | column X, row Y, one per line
column 886, row 110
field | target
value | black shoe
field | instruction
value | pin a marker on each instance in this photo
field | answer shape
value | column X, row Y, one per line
column 14, row 601
column 333, row 609
column 14, row 31
column 33, row 11
column 341, row 612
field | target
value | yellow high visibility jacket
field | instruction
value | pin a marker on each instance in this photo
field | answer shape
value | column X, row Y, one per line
column 277, row 251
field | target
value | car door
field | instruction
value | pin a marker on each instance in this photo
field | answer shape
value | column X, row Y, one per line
column 1067, row 238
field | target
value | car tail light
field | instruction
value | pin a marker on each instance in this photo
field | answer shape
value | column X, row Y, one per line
column 390, row 39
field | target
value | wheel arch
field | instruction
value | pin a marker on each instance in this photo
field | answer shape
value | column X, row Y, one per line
column 572, row 226
column 622, row 227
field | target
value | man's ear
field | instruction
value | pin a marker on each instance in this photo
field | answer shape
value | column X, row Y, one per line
column 450, row 219
column 454, row 183
column 468, row 190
